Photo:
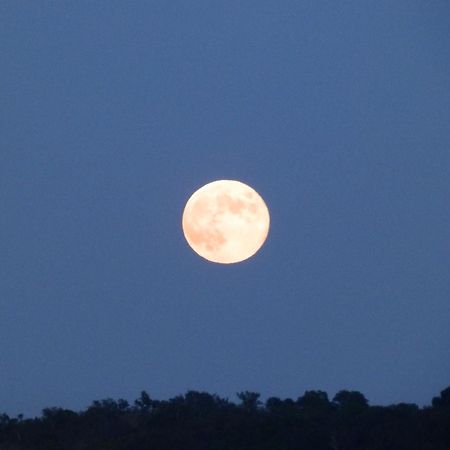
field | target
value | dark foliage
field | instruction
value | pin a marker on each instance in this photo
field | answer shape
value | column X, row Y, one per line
column 201, row 421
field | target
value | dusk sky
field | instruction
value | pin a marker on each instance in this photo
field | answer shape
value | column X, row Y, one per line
column 113, row 113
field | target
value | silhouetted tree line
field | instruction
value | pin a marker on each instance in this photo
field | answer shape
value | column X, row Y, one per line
column 201, row 421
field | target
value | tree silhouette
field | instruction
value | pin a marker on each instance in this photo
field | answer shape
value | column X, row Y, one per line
column 443, row 401
column 203, row 421
column 350, row 402
column 249, row 400
column 144, row 402
column 315, row 403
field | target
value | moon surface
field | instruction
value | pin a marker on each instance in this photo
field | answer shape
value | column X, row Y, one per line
column 225, row 221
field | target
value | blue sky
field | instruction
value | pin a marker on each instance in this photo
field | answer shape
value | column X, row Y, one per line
column 112, row 113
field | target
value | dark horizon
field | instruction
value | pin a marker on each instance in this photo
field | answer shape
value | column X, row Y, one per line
column 262, row 400
column 199, row 420
column 233, row 399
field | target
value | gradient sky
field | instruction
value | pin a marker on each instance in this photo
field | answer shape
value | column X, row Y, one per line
column 112, row 113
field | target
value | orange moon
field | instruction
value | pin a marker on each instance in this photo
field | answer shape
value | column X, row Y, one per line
column 225, row 221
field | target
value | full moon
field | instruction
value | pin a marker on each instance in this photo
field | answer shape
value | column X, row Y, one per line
column 225, row 221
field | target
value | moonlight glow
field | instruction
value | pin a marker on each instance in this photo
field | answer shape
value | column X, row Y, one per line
column 226, row 221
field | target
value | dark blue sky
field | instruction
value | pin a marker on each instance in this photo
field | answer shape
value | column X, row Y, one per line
column 112, row 113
